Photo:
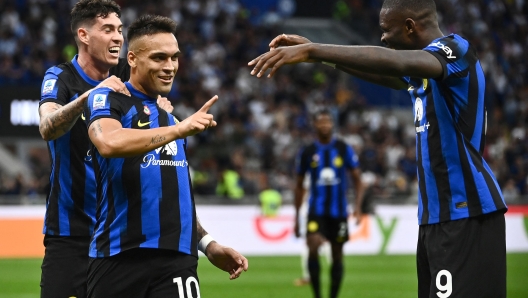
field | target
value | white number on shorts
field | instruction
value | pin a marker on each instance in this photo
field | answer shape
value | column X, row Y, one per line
column 188, row 283
column 342, row 229
column 447, row 289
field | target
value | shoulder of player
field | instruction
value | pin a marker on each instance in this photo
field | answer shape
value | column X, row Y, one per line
column 452, row 47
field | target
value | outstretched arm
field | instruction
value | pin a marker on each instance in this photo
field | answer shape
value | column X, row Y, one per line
column 285, row 40
column 56, row 119
column 223, row 257
column 112, row 140
column 368, row 59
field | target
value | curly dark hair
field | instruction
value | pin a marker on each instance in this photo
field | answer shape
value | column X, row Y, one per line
column 149, row 25
column 86, row 11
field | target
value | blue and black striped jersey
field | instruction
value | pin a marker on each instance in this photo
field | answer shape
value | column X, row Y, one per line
column 450, row 120
column 327, row 165
column 70, row 205
column 146, row 200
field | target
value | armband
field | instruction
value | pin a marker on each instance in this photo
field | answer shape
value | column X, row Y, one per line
column 202, row 245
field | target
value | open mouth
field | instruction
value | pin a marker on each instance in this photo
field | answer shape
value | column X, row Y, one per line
column 114, row 50
column 166, row 79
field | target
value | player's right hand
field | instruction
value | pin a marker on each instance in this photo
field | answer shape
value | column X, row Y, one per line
column 198, row 121
column 115, row 84
column 286, row 40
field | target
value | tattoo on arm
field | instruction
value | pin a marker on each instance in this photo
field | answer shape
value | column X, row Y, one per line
column 96, row 128
column 156, row 140
column 200, row 231
column 56, row 120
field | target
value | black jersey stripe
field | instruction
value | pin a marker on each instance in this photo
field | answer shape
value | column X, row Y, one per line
column 103, row 240
column 467, row 119
column 306, row 157
column 421, row 181
column 472, row 195
column 52, row 218
column 437, row 161
column 483, row 132
column 494, row 191
column 341, row 151
column 78, row 177
column 328, row 188
column 169, row 208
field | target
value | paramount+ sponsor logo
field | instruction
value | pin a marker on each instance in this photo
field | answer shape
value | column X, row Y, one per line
column 150, row 159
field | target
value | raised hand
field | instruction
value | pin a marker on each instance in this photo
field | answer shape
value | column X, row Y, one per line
column 115, row 84
column 165, row 104
column 278, row 57
column 286, row 40
column 198, row 121
column 226, row 259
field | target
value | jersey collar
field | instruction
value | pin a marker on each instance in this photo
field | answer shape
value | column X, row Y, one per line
column 319, row 144
column 137, row 93
column 82, row 73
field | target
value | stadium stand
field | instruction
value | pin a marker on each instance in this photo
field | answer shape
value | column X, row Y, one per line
column 263, row 123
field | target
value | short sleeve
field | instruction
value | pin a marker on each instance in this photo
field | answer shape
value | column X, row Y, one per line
column 53, row 89
column 351, row 159
column 451, row 53
column 99, row 105
column 301, row 163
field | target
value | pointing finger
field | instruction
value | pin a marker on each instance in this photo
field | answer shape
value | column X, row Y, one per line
column 205, row 108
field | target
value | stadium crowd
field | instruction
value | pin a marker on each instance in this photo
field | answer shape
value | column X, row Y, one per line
column 263, row 123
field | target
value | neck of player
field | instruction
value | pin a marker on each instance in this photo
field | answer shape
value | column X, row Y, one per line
column 90, row 67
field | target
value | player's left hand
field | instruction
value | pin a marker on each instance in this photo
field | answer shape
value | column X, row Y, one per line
column 227, row 259
column 278, row 57
column 165, row 104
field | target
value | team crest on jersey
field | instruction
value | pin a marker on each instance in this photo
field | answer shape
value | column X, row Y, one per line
column 48, row 86
column 338, row 162
column 327, row 176
column 418, row 110
column 146, row 110
column 99, row 101
column 315, row 161
column 169, row 149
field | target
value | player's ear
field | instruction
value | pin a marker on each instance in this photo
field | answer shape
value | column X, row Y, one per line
column 410, row 26
column 82, row 35
column 132, row 58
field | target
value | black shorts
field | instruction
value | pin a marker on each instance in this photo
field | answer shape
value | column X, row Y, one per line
column 65, row 266
column 333, row 229
column 463, row 258
column 144, row 272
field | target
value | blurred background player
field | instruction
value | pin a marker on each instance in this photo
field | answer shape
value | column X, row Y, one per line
column 460, row 204
column 327, row 160
column 324, row 250
column 147, row 233
column 70, row 204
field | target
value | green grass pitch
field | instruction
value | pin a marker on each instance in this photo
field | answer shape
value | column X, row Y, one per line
column 365, row 276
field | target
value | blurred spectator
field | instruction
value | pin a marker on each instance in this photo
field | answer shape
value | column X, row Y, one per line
column 264, row 122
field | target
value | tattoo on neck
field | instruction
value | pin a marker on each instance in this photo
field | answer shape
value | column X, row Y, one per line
column 156, row 140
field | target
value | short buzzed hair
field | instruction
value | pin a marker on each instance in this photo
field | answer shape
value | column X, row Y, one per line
column 86, row 11
column 413, row 5
column 149, row 25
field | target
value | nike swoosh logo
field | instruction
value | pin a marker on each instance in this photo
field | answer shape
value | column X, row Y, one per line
column 143, row 124
column 82, row 117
